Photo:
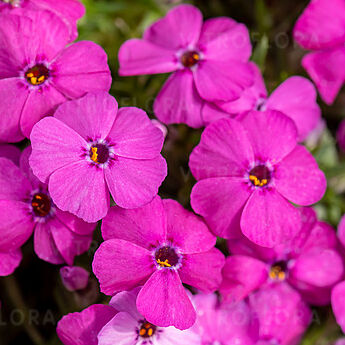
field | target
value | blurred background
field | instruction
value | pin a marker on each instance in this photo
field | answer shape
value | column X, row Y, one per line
column 33, row 299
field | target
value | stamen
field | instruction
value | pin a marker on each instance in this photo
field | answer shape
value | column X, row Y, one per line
column 166, row 257
column 41, row 204
column 99, row 153
column 147, row 330
column 260, row 176
column 37, row 75
column 190, row 58
column 278, row 271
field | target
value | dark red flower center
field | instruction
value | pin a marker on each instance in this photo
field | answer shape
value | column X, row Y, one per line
column 37, row 75
column 147, row 330
column 190, row 58
column 166, row 257
column 41, row 204
column 260, row 176
column 99, row 153
column 278, row 270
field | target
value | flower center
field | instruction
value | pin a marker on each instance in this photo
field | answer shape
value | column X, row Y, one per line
column 41, row 204
column 147, row 330
column 99, row 153
column 190, row 58
column 166, row 257
column 37, row 75
column 260, row 176
column 278, row 271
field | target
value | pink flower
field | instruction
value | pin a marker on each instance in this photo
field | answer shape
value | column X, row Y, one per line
column 310, row 264
column 90, row 148
column 295, row 97
column 247, row 173
column 321, row 28
column 341, row 135
column 38, row 71
column 67, row 10
column 74, row 278
column 209, row 61
column 26, row 206
column 119, row 323
column 159, row 245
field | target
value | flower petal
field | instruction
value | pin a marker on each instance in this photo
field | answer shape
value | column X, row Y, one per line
column 163, row 301
column 134, row 183
column 211, row 198
column 325, row 68
column 241, row 276
column 120, row 265
column 9, row 262
column 10, row 152
column 262, row 220
column 49, row 152
column 16, row 225
column 40, row 103
column 222, row 80
column 179, row 101
column 272, row 134
column 296, row 98
column 126, row 301
column 224, row 39
column 180, row 28
column 13, row 97
column 341, row 230
column 79, row 188
column 212, row 113
column 338, row 304
column 137, row 57
column 81, row 67
column 203, row 270
column 299, row 179
column 187, row 231
column 132, row 225
column 45, row 246
column 226, row 149
column 93, row 115
column 82, row 328
column 321, row 25
column 134, row 135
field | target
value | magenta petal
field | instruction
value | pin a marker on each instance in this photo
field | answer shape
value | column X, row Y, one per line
column 26, row 169
column 68, row 243
column 179, row 101
column 132, row 225
column 134, row 135
column 281, row 312
column 163, row 301
column 15, row 226
column 180, row 28
column 341, row 230
column 80, row 188
column 81, row 67
column 296, row 98
column 125, row 301
column 299, row 179
column 203, row 270
column 13, row 96
column 260, row 127
column 241, row 276
column 9, row 262
column 319, row 268
column 187, row 231
column 262, row 220
column 138, row 57
column 93, row 115
column 45, row 246
column 40, row 103
column 49, row 152
column 82, row 328
column 10, row 152
column 74, row 277
column 326, row 70
column 222, row 80
column 338, row 304
column 224, row 39
column 211, row 198
column 134, row 183
column 75, row 224
column 321, row 25
column 225, row 147
column 14, row 185
column 121, row 265
column 212, row 113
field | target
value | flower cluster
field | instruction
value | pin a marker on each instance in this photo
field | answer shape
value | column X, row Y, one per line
column 247, row 265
